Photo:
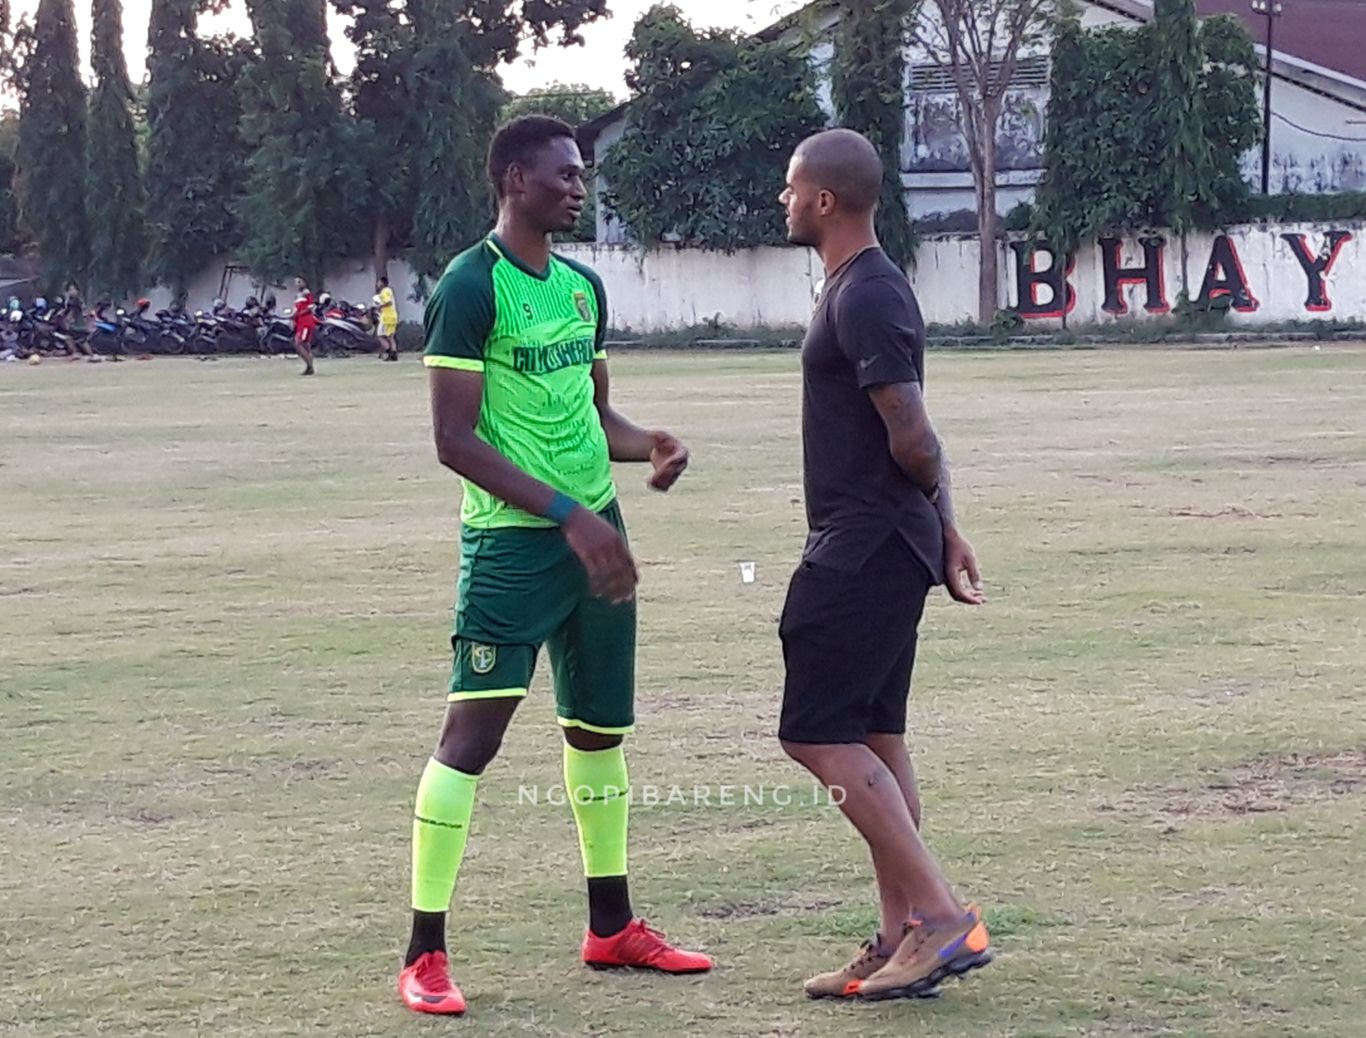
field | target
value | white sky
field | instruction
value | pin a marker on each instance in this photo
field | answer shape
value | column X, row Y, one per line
column 600, row 63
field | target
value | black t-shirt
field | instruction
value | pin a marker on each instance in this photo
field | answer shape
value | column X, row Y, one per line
column 867, row 331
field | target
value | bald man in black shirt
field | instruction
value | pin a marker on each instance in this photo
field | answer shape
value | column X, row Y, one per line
column 882, row 534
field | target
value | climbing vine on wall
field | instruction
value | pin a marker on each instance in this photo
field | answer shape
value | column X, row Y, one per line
column 868, row 75
column 1146, row 128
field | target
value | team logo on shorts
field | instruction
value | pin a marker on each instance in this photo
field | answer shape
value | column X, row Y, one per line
column 482, row 658
column 581, row 304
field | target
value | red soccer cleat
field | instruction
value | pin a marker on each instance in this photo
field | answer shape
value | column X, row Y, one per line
column 426, row 987
column 641, row 947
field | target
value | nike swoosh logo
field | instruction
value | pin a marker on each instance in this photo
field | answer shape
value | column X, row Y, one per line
column 868, row 362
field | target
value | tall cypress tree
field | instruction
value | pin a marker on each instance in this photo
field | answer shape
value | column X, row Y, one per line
column 195, row 155
column 115, row 201
column 305, row 180
column 50, row 157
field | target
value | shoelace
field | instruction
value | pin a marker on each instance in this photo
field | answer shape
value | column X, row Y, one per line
column 647, row 943
column 868, row 951
column 919, row 934
column 647, row 928
column 432, row 976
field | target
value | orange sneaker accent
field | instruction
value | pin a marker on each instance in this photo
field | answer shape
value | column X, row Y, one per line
column 641, row 947
column 977, row 940
column 426, row 987
column 845, row 982
column 929, row 955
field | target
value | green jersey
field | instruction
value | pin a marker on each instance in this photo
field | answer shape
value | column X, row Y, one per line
column 534, row 336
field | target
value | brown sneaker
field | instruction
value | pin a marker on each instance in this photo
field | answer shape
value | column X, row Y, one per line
column 929, row 954
column 844, row 983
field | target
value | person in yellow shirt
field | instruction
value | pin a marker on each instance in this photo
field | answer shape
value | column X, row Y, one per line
column 388, row 320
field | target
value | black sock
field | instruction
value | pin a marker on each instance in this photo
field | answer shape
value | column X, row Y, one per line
column 429, row 934
column 609, row 905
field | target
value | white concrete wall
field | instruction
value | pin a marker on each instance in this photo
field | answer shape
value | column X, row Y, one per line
column 1276, row 280
column 670, row 289
column 353, row 281
column 945, row 279
column 1317, row 145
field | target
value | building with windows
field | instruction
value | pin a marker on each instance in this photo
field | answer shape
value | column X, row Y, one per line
column 1317, row 113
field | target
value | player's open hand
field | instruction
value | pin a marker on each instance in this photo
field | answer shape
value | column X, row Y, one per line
column 612, row 572
column 961, row 575
column 669, row 458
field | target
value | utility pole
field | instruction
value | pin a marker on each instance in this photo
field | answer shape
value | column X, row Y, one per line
column 1272, row 10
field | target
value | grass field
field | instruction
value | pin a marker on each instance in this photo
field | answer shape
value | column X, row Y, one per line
column 224, row 602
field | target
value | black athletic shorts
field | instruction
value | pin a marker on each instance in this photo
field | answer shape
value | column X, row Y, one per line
column 849, row 646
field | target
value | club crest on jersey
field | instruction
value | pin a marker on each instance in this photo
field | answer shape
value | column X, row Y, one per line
column 483, row 658
column 581, row 304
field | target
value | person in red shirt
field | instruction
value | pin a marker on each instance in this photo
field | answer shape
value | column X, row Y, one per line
column 305, row 325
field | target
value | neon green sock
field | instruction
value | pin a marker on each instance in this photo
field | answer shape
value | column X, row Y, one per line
column 441, row 824
column 596, row 783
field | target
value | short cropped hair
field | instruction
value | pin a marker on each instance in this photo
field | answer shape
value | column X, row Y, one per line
column 517, row 143
column 846, row 163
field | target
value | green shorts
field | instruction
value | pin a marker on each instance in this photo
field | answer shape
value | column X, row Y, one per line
column 523, row 588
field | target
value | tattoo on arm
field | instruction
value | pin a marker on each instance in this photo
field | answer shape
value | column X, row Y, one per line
column 914, row 445
column 943, row 503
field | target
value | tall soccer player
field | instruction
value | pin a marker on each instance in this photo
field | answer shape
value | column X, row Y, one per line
column 522, row 412
column 882, row 534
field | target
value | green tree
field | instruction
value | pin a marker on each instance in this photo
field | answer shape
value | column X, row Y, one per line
column 456, row 98
column 1113, row 166
column 196, row 158
column 305, row 21
column 382, row 34
column 9, row 230
column 305, row 180
column 9, row 56
column 867, row 85
column 575, row 103
column 496, row 32
column 11, row 60
column 1069, row 204
column 458, row 107
column 50, row 155
column 1228, row 91
column 115, row 198
column 1185, row 152
column 708, row 135
column 980, row 42
column 9, row 224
